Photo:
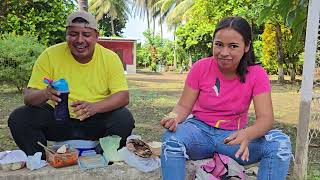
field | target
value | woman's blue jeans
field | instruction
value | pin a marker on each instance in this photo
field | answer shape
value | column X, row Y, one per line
column 196, row 140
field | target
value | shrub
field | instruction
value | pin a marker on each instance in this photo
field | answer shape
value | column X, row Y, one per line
column 143, row 56
column 17, row 56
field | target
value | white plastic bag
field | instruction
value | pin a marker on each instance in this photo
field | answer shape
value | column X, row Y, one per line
column 142, row 164
column 35, row 162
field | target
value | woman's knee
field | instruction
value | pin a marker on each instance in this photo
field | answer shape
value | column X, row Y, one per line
column 279, row 145
column 173, row 145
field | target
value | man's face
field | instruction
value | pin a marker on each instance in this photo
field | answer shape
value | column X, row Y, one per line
column 81, row 42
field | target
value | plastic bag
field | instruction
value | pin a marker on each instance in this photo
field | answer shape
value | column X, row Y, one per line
column 12, row 160
column 142, row 164
column 110, row 144
column 143, row 149
column 220, row 167
column 35, row 162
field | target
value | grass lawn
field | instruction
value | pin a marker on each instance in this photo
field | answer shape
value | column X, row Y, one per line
column 154, row 94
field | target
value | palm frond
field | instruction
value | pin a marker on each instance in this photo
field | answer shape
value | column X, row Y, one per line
column 178, row 12
column 94, row 4
column 167, row 6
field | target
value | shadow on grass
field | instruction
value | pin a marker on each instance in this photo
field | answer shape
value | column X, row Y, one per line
column 149, row 73
column 154, row 80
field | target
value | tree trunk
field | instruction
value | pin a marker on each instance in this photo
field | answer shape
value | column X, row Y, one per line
column 4, row 7
column 83, row 5
column 175, row 49
column 154, row 25
column 190, row 61
column 279, row 52
column 153, row 51
column 161, row 32
column 112, row 27
column 148, row 19
column 293, row 73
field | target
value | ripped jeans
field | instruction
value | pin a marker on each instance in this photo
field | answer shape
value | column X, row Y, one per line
column 196, row 140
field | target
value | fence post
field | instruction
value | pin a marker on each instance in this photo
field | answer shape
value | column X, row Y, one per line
column 301, row 155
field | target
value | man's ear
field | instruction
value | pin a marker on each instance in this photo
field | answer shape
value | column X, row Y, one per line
column 98, row 34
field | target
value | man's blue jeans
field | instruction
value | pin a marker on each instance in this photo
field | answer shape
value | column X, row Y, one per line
column 196, row 140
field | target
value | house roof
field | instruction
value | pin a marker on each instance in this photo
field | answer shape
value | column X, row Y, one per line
column 118, row 39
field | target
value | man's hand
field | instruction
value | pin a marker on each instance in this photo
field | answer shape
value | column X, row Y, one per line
column 170, row 121
column 83, row 109
column 239, row 137
column 52, row 94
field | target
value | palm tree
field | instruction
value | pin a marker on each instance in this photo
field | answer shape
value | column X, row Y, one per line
column 144, row 7
column 174, row 12
column 115, row 8
column 156, row 13
column 141, row 8
column 83, row 5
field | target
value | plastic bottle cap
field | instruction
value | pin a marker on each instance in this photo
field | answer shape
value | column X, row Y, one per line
column 60, row 85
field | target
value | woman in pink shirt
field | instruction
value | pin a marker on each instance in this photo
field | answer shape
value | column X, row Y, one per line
column 217, row 93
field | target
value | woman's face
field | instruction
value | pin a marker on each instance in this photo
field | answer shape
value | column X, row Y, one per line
column 228, row 49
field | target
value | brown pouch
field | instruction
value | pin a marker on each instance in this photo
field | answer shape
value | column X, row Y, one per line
column 139, row 148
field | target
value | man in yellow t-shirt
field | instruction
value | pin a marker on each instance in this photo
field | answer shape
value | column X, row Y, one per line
column 98, row 91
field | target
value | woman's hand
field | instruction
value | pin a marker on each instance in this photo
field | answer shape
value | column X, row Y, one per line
column 52, row 94
column 239, row 137
column 169, row 121
column 83, row 109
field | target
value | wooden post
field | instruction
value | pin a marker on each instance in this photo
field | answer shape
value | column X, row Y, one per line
column 301, row 155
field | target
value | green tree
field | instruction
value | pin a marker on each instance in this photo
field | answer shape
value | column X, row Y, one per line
column 143, row 56
column 105, row 24
column 17, row 56
column 270, row 50
column 155, row 51
column 116, row 9
column 151, row 43
column 292, row 13
column 196, row 41
column 196, row 34
column 165, row 52
column 42, row 19
column 173, row 12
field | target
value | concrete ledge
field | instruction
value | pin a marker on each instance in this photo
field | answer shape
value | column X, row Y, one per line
column 120, row 171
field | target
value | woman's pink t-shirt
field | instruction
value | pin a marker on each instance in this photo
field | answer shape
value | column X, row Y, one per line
column 224, row 103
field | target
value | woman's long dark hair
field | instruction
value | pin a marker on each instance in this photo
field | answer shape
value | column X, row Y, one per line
column 240, row 25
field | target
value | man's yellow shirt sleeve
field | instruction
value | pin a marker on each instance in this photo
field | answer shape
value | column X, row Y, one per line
column 39, row 71
column 117, row 80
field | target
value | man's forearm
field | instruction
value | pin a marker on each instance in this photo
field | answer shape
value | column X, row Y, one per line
column 113, row 102
column 34, row 97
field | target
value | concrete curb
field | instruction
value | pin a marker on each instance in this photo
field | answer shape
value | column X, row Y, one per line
column 119, row 171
